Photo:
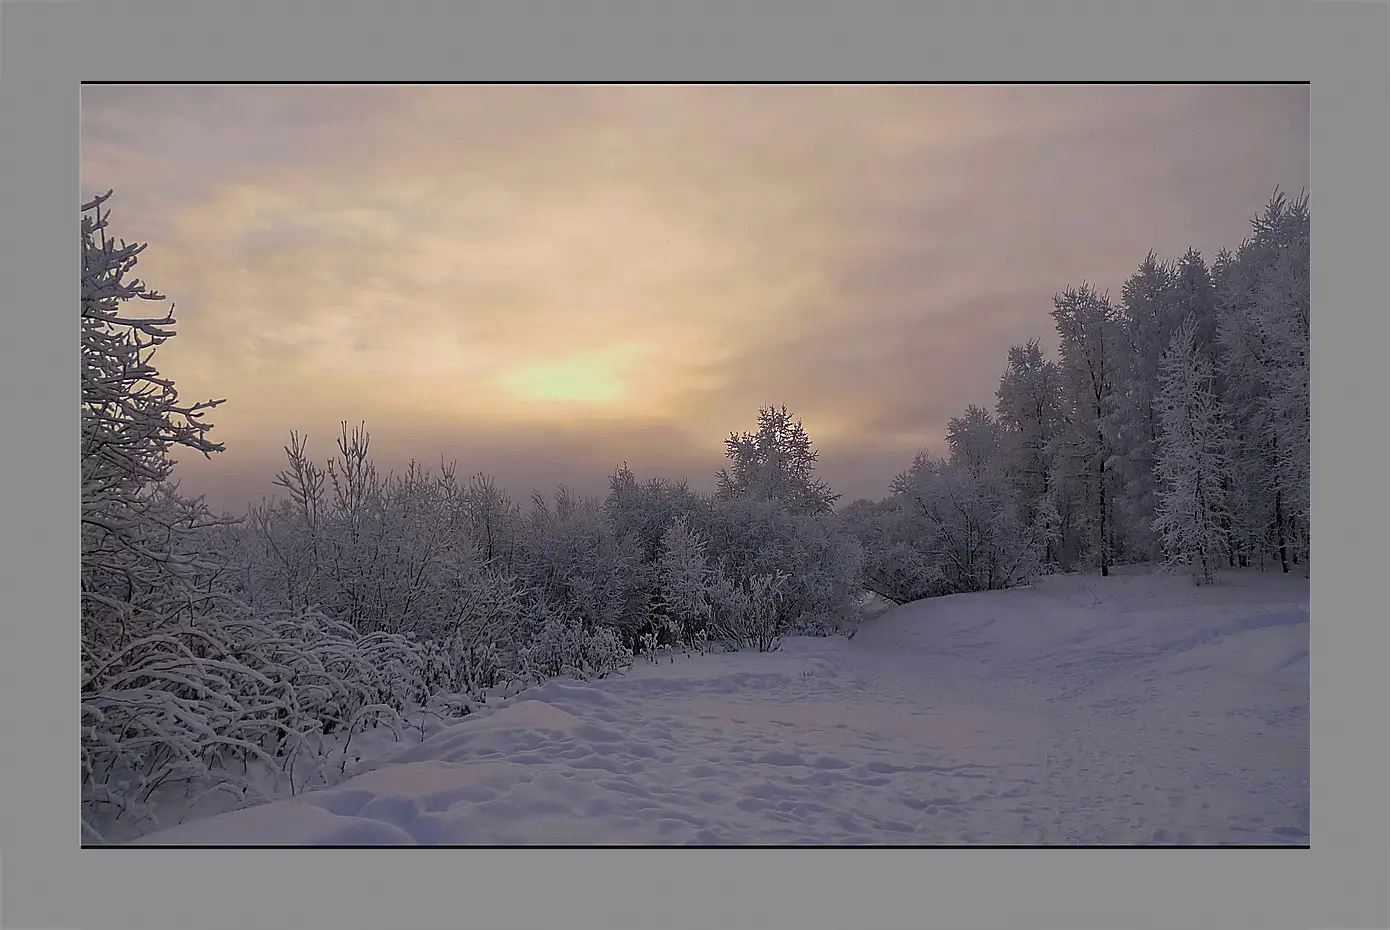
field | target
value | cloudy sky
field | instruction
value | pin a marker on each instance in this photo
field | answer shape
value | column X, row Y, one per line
column 541, row 282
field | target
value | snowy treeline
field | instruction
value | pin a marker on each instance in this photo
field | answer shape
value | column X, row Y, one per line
column 1173, row 427
column 242, row 654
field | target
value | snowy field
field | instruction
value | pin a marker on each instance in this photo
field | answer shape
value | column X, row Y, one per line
column 1137, row 709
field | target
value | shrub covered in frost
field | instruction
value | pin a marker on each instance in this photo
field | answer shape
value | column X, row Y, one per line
column 818, row 557
column 575, row 559
column 748, row 612
column 195, row 702
column 900, row 563
column 645, row 510
column 604, row 653
column 968, row 528
column 564, row 646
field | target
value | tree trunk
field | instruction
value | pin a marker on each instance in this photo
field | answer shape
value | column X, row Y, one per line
column 1226, row 525
column 1101, row 514
column 1280, row 533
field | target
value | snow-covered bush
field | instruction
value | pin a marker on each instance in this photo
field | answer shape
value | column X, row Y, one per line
column 565, row 646
column 573, row 556
column 604, row 653
column 415, row 553
column 816, row 552
column 974, row 539
column 748, row 612
column 897, row 543
column 492, row 521
column 487, row 616
column 221, row 696
column 645, row 510
column 374, row 551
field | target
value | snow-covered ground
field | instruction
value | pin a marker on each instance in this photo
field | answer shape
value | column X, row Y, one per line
column 1137, row 709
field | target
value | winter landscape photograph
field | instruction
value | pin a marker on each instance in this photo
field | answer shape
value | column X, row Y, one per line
column 695, row 465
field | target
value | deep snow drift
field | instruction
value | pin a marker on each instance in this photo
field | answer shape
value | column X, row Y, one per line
column 1136, row 709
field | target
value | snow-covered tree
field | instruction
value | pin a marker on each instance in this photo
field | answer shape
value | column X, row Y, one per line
column 1195, row 298
column 976, row 440
column 776, row 462
column 575, row 556
column 820, row 557
column 1263, row 334
column 143, row 574
column 1146, row 323
column 1191, row 462
column 1029, row 407
column 1088, row 340
column 183, row 683
column 136, row 530
column 645, row 509
column 974, row 539
column 492, row 520
column 897, row 542
column 686, row 579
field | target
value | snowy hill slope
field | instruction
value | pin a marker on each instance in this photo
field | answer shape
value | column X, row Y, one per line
column 1136, row 709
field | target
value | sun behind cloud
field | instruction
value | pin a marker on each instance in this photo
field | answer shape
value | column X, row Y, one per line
column 598, row 377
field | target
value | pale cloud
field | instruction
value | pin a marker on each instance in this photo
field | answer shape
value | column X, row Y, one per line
column 545, row 281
